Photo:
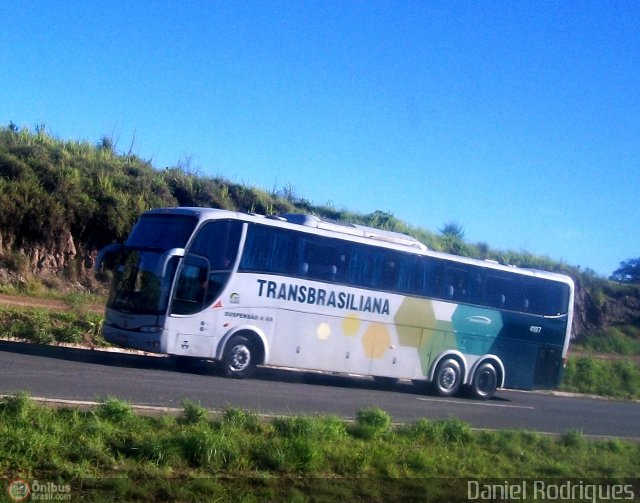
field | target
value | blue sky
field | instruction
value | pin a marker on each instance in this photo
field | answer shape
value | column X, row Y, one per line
column 518, row 120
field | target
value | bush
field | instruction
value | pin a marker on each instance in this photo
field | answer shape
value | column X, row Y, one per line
column 446, row 430
column 205, row 447
column 17, row 405
column 371, row 423
column 240, row 419
column 572, row 438
column 193, row 413
column 114, row 410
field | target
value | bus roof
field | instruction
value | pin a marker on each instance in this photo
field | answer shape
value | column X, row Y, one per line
column 352, row 229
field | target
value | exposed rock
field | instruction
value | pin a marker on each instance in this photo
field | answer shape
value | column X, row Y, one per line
column 53, row 257
column 595, row 311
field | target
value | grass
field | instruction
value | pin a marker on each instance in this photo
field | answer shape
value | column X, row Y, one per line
column 610, row 378
column 622, row 340
column 110, row 452
column 44, row 326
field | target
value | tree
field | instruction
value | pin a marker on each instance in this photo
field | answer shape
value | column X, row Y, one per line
column 453, row 230
column 452, row 239
column 628, row 272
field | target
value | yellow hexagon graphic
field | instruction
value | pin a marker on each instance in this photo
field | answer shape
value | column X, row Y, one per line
column 324, row 331
column 376, row 340
column 351, row 325
column 413, row 313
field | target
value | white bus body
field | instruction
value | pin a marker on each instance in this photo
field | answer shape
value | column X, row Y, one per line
column 305, row 293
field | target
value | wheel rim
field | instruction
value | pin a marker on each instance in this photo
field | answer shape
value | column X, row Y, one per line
column 240, row 358
column 486, row 382
column 448, row 378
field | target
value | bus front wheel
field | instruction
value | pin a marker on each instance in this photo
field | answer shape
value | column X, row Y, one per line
column 447, row 378
column 484, row 382
column 239, row 359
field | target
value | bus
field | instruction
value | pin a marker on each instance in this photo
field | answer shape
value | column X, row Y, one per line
column 303, row 292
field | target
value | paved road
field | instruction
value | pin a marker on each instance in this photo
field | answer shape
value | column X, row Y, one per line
column 71, row 374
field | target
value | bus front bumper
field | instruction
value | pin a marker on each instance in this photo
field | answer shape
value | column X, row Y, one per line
column 142, row 341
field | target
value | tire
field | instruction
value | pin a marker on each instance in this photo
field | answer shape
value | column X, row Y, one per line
column 239, row 359
column 484, row 382
column 447, row 378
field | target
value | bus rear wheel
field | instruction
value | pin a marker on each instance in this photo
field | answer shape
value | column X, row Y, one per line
column 484, row 382
column 447, row 378
column 239, row 359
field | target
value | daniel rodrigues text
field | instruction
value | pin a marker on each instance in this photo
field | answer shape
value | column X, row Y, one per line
column 545, row 490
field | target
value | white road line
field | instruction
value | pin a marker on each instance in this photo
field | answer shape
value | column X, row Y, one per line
column 480, row 404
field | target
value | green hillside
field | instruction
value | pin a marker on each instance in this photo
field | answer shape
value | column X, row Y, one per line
column 62, row 200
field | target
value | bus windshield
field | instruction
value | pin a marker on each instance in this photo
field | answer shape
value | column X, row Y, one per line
column 161, row 232
column 142, row 279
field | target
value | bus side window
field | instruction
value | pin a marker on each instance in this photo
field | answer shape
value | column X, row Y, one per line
column 388, row 273
column 535, row 296
column 496, row 291
column 269, row 250
column 410, row 274
column 558, row 299
column 321, row 259
column 455, row 285
column 191, row 289
column 433, row 275
column 218, row 242
column 476, row 285
column 503, row 291
column 359, row 269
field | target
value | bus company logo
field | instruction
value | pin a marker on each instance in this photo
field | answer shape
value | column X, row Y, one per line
column 18, row 490
column 304, row 294
column 481, row 320
column 234, row 298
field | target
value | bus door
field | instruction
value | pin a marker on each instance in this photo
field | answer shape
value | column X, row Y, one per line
column 189, row 322
column 548, row 364
column 203, row 275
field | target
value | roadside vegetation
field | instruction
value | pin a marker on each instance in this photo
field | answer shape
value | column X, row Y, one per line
column 47, row 326
column 614, row 378
column 111, row 453
column 621, row 340
column 605, row 363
